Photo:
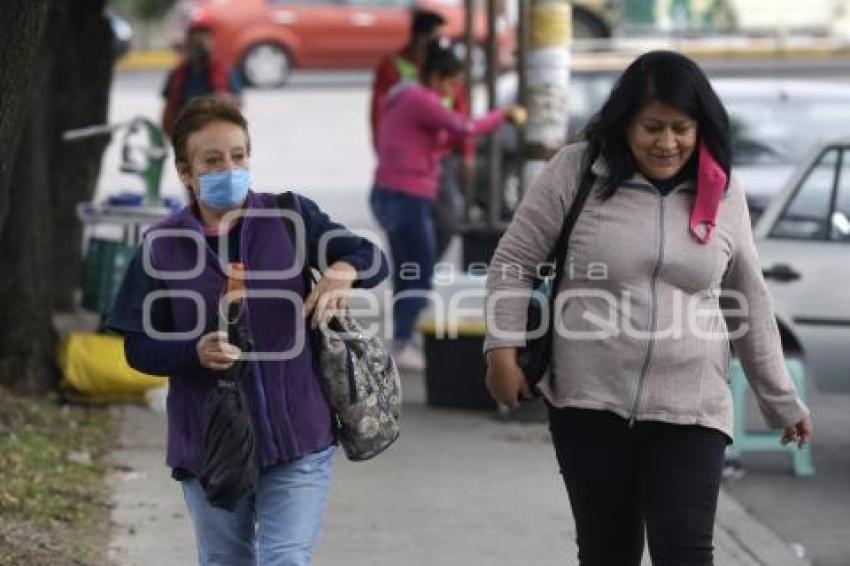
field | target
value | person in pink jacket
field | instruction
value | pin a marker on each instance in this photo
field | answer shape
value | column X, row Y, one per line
column 415, row 127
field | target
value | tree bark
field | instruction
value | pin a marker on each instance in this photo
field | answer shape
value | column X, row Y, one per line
column 81, row 47
column 27, row 338
column 22, row 24
column 48, row 84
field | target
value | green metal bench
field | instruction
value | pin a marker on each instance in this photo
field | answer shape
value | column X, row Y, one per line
column 766, row 441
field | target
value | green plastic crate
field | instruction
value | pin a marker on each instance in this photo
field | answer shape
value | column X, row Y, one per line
column 103, row 270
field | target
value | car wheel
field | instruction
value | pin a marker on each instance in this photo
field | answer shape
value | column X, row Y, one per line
column 266, row 65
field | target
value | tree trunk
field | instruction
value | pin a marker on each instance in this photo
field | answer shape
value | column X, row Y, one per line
column 27, row 339
column 22, row 24
column 80, row 42
column 69, row 72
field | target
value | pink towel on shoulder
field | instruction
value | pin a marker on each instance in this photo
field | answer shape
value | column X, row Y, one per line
column 711, row 183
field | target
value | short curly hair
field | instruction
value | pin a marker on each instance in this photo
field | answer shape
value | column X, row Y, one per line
column 196, row 115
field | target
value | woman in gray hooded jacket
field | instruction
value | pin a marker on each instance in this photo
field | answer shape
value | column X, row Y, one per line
column 640, row 407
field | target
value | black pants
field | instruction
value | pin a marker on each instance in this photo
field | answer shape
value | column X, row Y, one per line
column 660, row 478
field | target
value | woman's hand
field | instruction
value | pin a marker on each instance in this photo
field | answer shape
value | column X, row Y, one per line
column 799, row 433
column 505, row 380
column 518, row 115
column 215, row 352
column 330, row 295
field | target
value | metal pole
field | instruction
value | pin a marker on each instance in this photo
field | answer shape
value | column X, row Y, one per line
column 494, row 204
column 469, row 8
column 547, row 76
column 469, row 41
column 522, row 83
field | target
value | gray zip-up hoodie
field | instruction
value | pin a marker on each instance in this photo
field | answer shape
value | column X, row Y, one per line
column 641, row 331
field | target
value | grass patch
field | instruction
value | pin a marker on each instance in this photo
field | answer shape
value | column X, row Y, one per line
column 54, row 504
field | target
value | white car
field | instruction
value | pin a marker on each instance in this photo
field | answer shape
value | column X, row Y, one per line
column 803, row 240
column 775, row 124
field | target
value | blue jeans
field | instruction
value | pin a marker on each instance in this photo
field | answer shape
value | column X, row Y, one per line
column 409, row 224
column 276, row 525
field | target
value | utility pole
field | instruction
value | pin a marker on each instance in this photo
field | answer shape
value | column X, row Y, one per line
column 495, row 149
column 547, row 75
column 469, row 40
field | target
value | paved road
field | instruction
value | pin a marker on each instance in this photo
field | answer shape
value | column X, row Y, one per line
column 813, row 512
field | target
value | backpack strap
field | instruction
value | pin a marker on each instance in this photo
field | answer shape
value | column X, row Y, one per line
column 558, row 255
column 559, row 252
column 288, row 201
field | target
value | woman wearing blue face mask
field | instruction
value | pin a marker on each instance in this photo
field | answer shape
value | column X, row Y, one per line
column 168, row 307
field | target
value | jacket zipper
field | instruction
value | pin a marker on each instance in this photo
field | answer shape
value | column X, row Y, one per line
column 653, row 314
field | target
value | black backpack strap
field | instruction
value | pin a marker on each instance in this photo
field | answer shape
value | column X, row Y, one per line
column 289, row 201
column 559, row 252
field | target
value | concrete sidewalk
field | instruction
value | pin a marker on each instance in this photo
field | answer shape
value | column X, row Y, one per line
column 459, row 488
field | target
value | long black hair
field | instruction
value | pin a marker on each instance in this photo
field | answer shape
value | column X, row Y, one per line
column 662, row 76
column 424, row 22
column 440, row 61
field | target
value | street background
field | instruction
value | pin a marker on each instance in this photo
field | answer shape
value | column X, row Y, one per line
column 461, row 486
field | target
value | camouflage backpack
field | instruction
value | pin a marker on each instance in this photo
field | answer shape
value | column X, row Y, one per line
column 359, row 376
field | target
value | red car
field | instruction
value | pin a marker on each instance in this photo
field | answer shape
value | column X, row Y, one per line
column 266, row 39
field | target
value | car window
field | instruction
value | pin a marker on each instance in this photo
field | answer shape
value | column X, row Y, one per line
column 840, row 221
column 805, row 216
column 782, row 129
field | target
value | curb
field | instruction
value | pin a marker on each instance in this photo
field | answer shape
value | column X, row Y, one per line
column 148, row 60
column 162, row 59
column 778, row 53
column 752, row 536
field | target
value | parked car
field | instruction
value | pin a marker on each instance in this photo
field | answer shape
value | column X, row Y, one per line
column 775, row 122
column 803, row 240
column 266, row 39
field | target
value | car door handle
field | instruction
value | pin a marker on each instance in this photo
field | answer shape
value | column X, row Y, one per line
column 285, row 17
column 363, row 19
column 781, row 272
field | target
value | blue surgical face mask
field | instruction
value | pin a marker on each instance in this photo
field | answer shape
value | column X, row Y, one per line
column 225, row 190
